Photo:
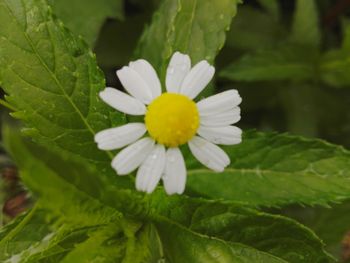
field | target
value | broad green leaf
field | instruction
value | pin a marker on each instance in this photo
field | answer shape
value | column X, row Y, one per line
column 306, row 28
column 183, row 245
column 286, row 63
column 193, row 27
column 235, row 223
column 53, row 81
column 86, row 18
column 269, row 169
column 262, row 31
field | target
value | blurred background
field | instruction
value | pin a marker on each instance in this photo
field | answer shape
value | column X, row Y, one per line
column 292, row 77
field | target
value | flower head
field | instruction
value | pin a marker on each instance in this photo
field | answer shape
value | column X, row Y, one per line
column 171, row 119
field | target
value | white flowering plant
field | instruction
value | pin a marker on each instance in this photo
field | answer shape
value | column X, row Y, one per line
column 127, row 137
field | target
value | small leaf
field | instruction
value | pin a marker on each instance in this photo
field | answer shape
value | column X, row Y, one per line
column 269, row 169
column 306, row 28
column 191, row 27
column 285, row 63
column 86, row 18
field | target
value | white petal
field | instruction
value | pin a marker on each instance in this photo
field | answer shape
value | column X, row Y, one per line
column 118, row 137
column 175, row 172
column 196, row 80
column 151, row 170
column 128, row 159
column 134, row 84
column 178, row 68
column 219, row 103
column 122, row 102
column 149, row 75
column 222, row 119
column 227, row 135
column 209, row 154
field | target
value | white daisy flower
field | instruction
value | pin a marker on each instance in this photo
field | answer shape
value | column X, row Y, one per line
column 171, row 119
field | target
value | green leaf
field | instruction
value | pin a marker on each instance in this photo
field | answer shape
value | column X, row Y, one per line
column 262, row 31
column 269, row 169
column 183, row 245
column 306, row 28
column 53, row 80
column 193, row 27
column 86, row 18
column 229, row 222
column 286, row 63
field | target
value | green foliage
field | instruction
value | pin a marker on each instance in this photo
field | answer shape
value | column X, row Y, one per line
column 272, row 7
column 39, row 58
column 292, row 64
column 86, row 18
column 276, row 169
column 335, row 64
column 319, row 218
column 193, row 27
column 206, row 249
column 234, row 223
column 305, row 29
column 191, row 220
column 262, row 31
column 85, row 213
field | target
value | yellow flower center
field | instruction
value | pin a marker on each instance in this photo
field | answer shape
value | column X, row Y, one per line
column 172, row 119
